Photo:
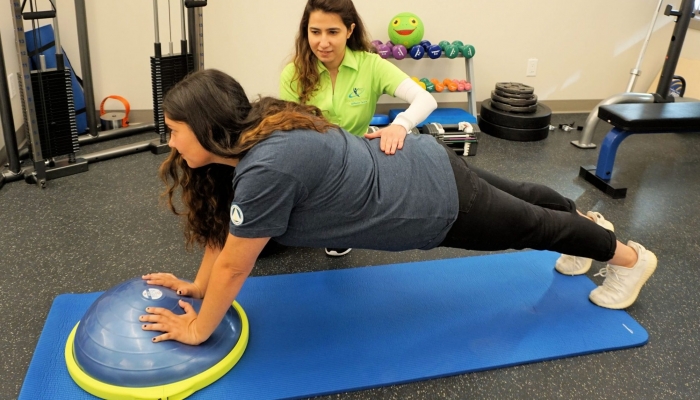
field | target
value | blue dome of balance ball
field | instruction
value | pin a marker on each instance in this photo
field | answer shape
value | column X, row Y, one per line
column 110, row 346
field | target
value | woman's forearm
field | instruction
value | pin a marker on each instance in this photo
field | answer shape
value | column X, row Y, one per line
column 208, row 260
column 226, row 280
column 227, row 273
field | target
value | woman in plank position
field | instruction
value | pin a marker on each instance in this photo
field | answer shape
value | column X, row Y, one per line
column 271, row 169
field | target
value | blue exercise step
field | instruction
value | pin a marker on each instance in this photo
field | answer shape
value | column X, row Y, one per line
column 445, row 116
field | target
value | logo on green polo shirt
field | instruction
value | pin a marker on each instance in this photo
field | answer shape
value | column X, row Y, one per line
column 356, row 92
column 356, row 97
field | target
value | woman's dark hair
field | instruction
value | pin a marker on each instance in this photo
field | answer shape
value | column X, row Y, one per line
column 216, row 108
column 306, row 71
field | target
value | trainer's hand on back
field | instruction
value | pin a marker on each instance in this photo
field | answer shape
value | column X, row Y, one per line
column 170, row 281
column 392, row 138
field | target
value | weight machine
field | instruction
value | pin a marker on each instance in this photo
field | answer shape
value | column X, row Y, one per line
column 48, row 108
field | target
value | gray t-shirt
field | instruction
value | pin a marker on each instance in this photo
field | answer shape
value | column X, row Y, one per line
column 310, row 189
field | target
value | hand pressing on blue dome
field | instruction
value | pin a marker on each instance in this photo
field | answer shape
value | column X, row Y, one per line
column 170, row 281
column 182, row 328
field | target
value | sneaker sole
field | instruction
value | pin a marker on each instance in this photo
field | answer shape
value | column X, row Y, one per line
column 338, row 254
column 637, row 289
column 581, row 271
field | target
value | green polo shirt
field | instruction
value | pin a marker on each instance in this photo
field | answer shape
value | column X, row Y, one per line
column 362, row 78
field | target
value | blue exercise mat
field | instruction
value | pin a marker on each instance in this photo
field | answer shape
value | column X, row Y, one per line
column 445, row 116
column 335, row 331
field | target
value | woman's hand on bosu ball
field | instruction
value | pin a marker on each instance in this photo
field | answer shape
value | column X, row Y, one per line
column 182, row 328
column 170, row 281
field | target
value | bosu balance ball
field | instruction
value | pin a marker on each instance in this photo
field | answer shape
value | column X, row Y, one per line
column 110, row 356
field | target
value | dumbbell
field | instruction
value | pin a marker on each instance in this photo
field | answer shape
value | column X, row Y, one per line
column 468, row 51
column 399, row 52
column 434, row 51
column 418, row 81
column 443, row 43
column 425, row 44
column 464, row 85
column 417, row 52
column 376, row 43
column 429, row 86
column 384, row 51
column 467, row 85
column 450, row 85
column 439, row 87
column 451, row 51
column 461, row 84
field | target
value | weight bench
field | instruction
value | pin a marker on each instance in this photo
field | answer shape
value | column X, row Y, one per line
column 629, row 119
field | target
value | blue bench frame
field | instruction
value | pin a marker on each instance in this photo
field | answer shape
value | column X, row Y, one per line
column 630, row 119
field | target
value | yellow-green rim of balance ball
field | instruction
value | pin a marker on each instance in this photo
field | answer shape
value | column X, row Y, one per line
column 171, row 391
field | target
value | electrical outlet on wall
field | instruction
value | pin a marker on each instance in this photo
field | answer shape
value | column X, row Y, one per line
column 12, row 81
column 531, row 67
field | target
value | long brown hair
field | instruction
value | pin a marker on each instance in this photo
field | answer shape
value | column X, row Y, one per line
column 216, row 108
column 306, row 71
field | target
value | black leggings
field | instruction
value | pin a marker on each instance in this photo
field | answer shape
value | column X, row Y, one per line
column 499, row 214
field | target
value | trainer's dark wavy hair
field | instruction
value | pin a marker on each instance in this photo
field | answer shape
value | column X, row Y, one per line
column 216, row 108
column 306, row 71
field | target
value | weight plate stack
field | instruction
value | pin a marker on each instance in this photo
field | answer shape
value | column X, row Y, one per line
column 513, row 113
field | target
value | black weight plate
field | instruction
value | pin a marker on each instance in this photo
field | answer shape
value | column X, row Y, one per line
column 513, row 101
column 514, row 134
column 513, row 95
column 541, row 117
column 515, row 88
column 514, row 109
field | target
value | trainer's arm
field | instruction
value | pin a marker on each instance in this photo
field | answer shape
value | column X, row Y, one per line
column 421, row 103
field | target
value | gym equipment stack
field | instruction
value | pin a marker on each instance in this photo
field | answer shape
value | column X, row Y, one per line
column 513, row 113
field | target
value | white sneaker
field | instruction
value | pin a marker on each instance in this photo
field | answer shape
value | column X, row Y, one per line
column 337, row 252
column 571, row 265
column 622, row 285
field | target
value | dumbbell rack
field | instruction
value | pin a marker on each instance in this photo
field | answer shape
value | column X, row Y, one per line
column 469, row 70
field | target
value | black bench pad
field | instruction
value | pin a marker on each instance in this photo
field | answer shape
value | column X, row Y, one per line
column 653, row 117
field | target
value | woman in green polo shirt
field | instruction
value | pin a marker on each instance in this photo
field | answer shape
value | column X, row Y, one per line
column 334, row 70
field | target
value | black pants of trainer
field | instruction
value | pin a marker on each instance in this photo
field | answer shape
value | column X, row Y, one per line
column 499, row 214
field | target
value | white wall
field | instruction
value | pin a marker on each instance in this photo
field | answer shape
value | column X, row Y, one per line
column 585, row 48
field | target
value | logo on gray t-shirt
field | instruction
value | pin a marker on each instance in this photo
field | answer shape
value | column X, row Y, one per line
column 236, row 215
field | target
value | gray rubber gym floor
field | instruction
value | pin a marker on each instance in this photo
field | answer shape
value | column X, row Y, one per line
column 91, row 231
